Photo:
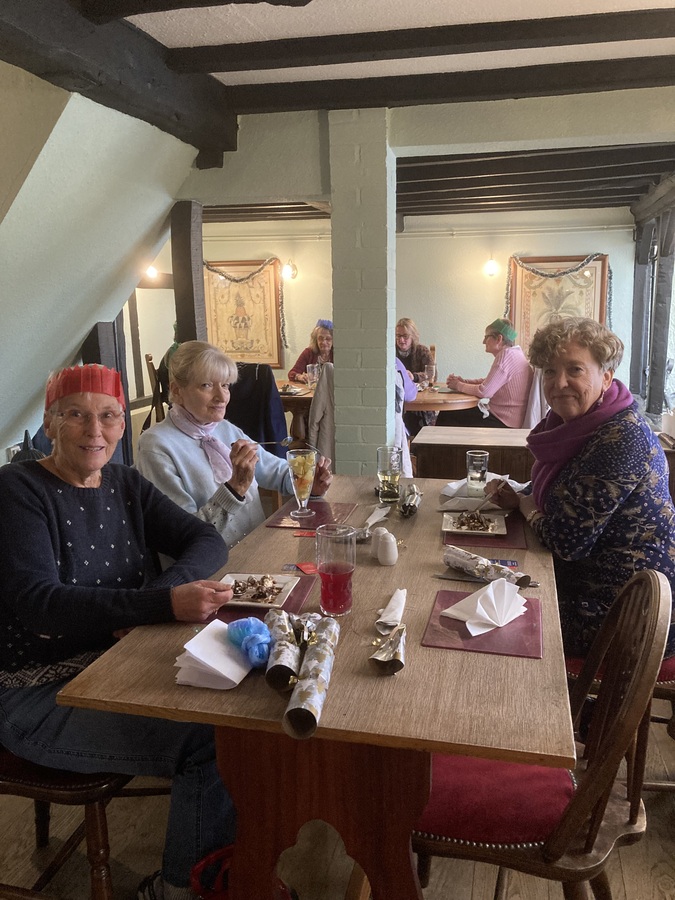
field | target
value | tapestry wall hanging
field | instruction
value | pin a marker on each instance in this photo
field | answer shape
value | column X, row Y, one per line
column 541, row 289
column 244, row 309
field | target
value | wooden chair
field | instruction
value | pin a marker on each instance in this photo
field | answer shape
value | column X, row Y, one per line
column 548, row 822
column 664, row 689
column 155, row 387
column 43, row 785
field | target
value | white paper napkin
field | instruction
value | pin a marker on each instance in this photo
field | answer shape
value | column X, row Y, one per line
column 212, row 660
column 377, row 515
column 392, row 614
column 458, row 488
column 492, row 606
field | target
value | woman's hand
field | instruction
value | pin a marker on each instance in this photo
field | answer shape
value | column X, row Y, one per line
column 244, row 457
column 502, row 494
column 322, row 477
column 452, row 382
column 303, row 377
column 196, row 601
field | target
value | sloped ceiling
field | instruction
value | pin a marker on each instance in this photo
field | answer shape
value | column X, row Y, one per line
column 193, row 68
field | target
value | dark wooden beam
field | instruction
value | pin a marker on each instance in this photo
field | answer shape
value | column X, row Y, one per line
column 107, row 10
column 483, row 37
column 457, row 87
column 651, row 157
column 105, row 344
column 537, row 180
column 188, row 271
column 551, row 203
column 117, row 66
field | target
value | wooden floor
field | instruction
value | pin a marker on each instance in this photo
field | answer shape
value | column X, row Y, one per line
column 317, row 866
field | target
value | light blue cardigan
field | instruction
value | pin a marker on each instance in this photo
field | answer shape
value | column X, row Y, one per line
column 177, row 465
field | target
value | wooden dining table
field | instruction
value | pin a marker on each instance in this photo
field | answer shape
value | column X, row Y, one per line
column 297, row 402
column 439, row 399
column 366, row 770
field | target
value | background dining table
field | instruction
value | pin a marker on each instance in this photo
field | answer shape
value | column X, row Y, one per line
column 438, row 399
column 366, row 771
column 296, row 399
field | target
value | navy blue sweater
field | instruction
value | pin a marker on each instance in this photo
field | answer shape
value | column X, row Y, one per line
column 77, row 564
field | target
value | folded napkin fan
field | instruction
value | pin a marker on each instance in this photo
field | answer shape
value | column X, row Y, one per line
column 392, row 613
column 492, row 606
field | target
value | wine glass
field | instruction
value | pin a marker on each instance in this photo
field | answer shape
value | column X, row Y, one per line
column 302, row 464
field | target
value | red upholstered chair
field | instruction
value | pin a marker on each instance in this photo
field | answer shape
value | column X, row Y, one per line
column 20, row 778
column 547, row 822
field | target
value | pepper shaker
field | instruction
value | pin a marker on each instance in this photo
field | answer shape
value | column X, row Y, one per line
column 377, row 536
column 387, row 550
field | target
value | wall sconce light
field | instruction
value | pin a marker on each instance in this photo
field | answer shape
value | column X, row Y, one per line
column 491, row 267
column 290, row 270
column 151, row 272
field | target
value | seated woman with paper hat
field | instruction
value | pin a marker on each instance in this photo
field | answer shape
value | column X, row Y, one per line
column 77, row 539
column 503, row 393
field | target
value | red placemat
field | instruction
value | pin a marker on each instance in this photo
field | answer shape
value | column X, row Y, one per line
column 522, row 637
column 294, row 602
column 325, row 513
column 514, row 537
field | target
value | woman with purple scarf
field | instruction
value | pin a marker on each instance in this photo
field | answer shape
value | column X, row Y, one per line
column 600, row 499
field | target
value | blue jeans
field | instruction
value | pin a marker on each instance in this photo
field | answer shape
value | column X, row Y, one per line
column 201, row 813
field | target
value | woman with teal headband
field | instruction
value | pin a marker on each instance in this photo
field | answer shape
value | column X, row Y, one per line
column 506, row 387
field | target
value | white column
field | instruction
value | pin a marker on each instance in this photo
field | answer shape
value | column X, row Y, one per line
column 363, row 225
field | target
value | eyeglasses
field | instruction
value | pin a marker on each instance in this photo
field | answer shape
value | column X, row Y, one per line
column 491, row 335
column 75, row 418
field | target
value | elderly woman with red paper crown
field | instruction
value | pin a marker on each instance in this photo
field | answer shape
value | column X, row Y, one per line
column 77, row 538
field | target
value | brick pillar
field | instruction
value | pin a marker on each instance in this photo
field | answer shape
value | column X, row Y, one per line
column 363, row 223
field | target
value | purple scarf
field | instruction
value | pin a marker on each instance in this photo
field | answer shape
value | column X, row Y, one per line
column 554, row 443
column 217, row 453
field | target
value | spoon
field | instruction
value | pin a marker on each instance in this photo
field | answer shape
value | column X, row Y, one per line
column 287, row 441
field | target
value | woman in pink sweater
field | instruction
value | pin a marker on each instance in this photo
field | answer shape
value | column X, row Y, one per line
column 505, row 389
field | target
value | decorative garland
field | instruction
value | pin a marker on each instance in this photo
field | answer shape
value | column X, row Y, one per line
column 571, row 271
column 244, row 278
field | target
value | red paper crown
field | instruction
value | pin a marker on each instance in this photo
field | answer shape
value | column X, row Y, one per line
column 92, row 378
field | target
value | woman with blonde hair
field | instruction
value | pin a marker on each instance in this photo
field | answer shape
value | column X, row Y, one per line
column 320, row 351
column 414, row 357
column 204, row 463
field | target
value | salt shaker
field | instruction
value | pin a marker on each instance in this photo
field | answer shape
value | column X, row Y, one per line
column 387, row 550
column 377, row 536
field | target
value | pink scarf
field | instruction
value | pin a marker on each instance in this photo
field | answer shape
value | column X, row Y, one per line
column 554, row 443
column 217, row 453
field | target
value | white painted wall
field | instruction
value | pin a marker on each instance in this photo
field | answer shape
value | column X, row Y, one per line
column 83, row 226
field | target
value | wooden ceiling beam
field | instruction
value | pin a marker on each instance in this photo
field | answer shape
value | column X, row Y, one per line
column 634, row 174
column 102, row 11
column 604, row 158
column 595, row 76
column 536, row 190
column 483, row 37
column 117, row 66
column 505, row 206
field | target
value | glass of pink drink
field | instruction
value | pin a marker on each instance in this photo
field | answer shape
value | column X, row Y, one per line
column 335, row 561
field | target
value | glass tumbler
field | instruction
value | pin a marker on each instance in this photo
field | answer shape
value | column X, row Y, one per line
column 335, row 562
column 476, row 472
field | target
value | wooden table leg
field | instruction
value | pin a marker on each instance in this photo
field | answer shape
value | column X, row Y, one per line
column 372, row 796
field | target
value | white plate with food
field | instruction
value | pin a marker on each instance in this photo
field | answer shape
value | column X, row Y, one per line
column 269, row 591
column 486, row 524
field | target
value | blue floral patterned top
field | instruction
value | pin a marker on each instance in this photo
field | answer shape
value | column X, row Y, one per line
column 608, row 514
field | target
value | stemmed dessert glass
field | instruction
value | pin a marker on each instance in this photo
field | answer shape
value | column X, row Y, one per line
column 302, row 464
